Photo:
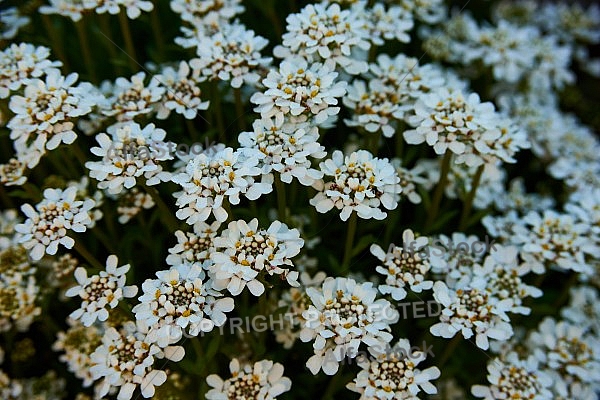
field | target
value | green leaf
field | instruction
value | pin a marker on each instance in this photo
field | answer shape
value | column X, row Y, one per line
column 362, row 244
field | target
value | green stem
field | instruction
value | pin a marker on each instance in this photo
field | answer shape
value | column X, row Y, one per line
column 85, row 49
column 332, row 386
column 84, row 252
column 468, row 204
column 56, row 41
column 350, row 233
column 281, row 199
column 400, row 146
column 158, row 32
column 449, row 350
column 165, row 213
column 106, row 30
column 129, row 46
column 216, row 102
column 439, row 191
column 81, row 157
column 239, row 110
column 189, row 123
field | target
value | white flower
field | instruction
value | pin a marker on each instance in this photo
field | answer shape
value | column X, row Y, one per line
column 583, row 309
column 403, row 266
column 409, row 179
column 18, row 62
column 232, row 54
column 471, row 312
column 298, row 89
column 391, row 23
column 131, row 203
column 194, row 247
column 514, row 378
column 428, row 11
column 133, row 98
column 246, row 255
column 446, row 120
column 343, row 315
column 99, row 292
column 125, row 360
column 67, row 8
column 360, row 183
column 46, row 225
column 128, row 154
column 134, row 8
column 182, row 93
column 179, row 301
column 393, row 374
column 12, row 173
column 285, row 148
column 44, row 114
column 211, row 178
column 10, row 22
column 264, row 380
column 324, row 33
column 374, row 109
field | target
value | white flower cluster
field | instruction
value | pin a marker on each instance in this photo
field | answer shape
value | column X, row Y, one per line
column 285, row 148
column 246, row 255
column 47, row 224
column 130, row 155
column 263, row 380
column 343, row 314
column 360, row 183
column 99, row 292
column 213, row 179
column 76, row 9
column 11, row 21
column 182, row 93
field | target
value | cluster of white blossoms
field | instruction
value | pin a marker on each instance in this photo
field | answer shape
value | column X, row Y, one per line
column 214, row 179
column 393, row 374
column 44, row 114
column 359, row 183
column 326, row 34
column 404, row 266
column 183, row 93
column 76, row 9
column 101, row 291
column 262, row 380
column 285, row 148
column 300, row 91
column 343, row 314
column 125, row 359
column 246, row 256
column 10, row 23
column 179, row 300
column 194, row 248
column 47, row 224
column 131, row 155
column 549, row 239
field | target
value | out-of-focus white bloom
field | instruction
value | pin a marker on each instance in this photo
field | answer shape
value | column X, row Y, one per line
column 446, row 120
column 374, row 108
column 213, row 177
column 68, row 8
column 78, row 343
column 125, row 361
column 195, row 247
column 409, row 179
column 285, row 148
column 514, row 378
column 584, row 309
column 393, row 374
column 246, row 255
column 10, row 22
column 361, row 183
column 134, row 8
column 471, row 312
column 99, row 292
column 296, row 301
column 299, row 90
column 232, row 54
column 385, row 23
column 18, row 62
column 182, row 93
column 12, row 173
column 179, row 301
column 327, row 34
column 264, row 380
column 132, row 98
column 44, row 114
column 46, row 225
column 129, row 153
column 343, row 315
column 517, row 198
column 130, row 203
column 568, row 354
column 428, row 11
column 403, row 266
